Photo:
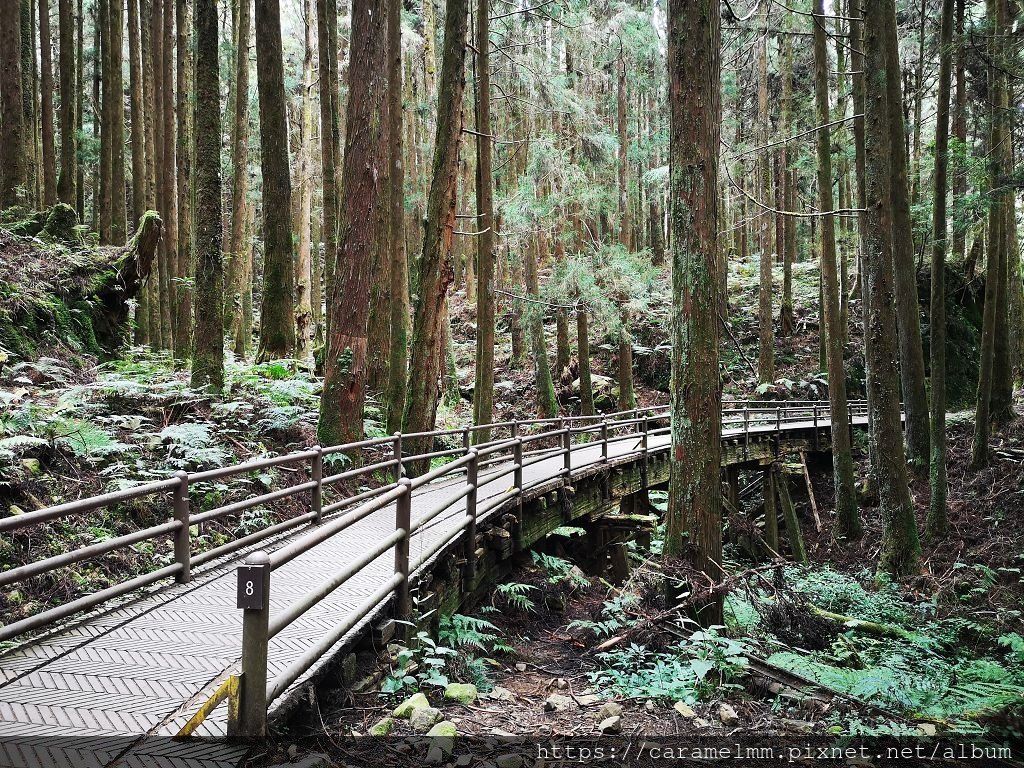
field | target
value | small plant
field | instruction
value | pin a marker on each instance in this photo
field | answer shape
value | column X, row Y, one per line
column 560, row 570
column 516, row 596
column 614, row 616
column 703, row 665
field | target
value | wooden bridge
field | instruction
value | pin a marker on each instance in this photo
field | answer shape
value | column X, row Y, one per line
column 217, row 641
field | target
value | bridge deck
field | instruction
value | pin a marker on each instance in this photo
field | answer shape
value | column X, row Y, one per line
column 121, row 681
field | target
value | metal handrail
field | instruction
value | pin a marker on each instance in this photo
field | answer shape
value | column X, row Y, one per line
column 635, row 424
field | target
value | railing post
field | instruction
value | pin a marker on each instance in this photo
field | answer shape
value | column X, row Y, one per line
column 644, row 428
column 318, row 489
column 396, row 453
column 465, row 438
column 182, row 536
column 472, row 471
column 254, row 585
column 517, row 458
column 566, row 449
column 604, row 440
column 514, row 429
column 815, row 416
column 778, row 418
column 403, row 521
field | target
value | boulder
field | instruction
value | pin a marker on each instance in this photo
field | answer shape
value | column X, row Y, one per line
column 610, row 709
column 460, row 693
column 442, row 736
column 382, row 727
column 611, row 725
column 424, row 718
column 414, row 702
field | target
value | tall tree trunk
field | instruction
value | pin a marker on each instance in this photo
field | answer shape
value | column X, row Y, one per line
column 398, row 368
column 240, row 252
column 183, row 174
column 625, row 224
column 303, row 221
column 49, row 153
column 937, row 524
column 547, row 402
column 627, row 397
column 1002, row 367
column 277, row 322
column 118, row 190
column 483, row 391
column 29, row 81
column 208, row 337
column 345, row 379
column 378, row 350
column 848, row 524
column 168, row 173
column 103, row 201
column 766, row 331
column 326, row 30
column 983, row 414
column 900, row 546
column 959, row 243
column 694, row 517
column 563, row 353
column 435, row 270
column 68, row 138
column 908, row 313
column 583, row 345
column 13, row 166
column 786, row 311
column 139, row 179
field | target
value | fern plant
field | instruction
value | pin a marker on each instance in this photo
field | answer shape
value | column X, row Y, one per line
column 560, row 570
column 516, row 596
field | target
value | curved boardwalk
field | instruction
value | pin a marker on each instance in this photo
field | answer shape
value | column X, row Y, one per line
column 118, row 683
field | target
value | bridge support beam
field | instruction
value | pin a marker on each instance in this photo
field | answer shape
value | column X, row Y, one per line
column 251, row 725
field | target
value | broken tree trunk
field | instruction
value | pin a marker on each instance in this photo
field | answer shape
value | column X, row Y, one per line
column 78, row 297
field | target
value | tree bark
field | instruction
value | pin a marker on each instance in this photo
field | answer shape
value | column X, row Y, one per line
column 139, row 178
column 49, row 153
column 848, row 525
column 183, row 176
column 13, row 166
column 304, row 203
column 398, row 368
column 900, row 546
column 436, row 271
column 694, row 517
column 788, row 253
column 240, row 252
column 937, row 524
column 547, row 402
column 326, row 29
column 208, row 336
column 766, row 330
column 345, row 378
column 277, row 321
column 66, row 192
column 483, row 391
column 908, row 313
column 583, row 345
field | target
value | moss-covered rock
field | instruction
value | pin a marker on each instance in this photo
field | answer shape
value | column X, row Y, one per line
column 61, row 225
column 460, row 693
column 407, row 707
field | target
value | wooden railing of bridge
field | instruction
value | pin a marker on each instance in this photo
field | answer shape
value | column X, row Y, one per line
column 467, row 467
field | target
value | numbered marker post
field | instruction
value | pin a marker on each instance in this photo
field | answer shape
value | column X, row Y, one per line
column 254, row 599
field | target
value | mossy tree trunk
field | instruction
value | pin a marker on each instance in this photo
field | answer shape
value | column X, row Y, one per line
column 848, row 523
column 908, row 312
column 483, row 391
column 583, row 345
column 208, row 332
column 694, row 518
column 937, row 524
column 66, row 192
column 547, row 402
column 239, row 250
column 436, row 271
column 900, row 546
column 398, row 367
column 363, row 172
column 277, row 321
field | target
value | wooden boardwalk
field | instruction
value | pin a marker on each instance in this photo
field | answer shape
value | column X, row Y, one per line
column 114, row 687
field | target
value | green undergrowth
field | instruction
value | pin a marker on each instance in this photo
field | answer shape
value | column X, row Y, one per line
column 960, row 673
column 68, row 433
